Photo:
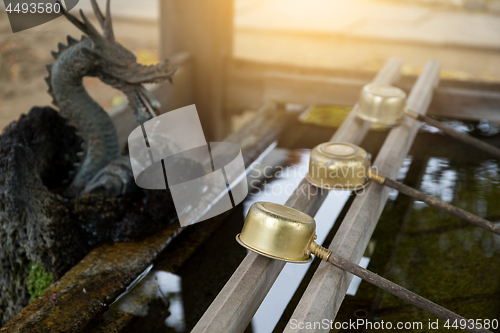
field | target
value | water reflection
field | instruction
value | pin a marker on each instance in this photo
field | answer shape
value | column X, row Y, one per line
column 170, row 289
column 156, row 291
column 439, row 180
column 401, row 176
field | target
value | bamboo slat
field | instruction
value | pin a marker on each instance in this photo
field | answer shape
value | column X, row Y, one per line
column 328, row 287
column 242, row 295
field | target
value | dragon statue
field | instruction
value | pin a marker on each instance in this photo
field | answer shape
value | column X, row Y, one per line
column 101, row 56
column 43, row 222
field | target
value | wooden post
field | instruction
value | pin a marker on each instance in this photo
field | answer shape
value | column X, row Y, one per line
column 205, row 30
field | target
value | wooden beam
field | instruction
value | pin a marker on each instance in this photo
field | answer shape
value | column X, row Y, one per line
column 237, row 302
column 246, row 81
column 205, row 30
column 448, row 102
column 312, row 89
column 328, row 287
column 468, row 104
column 252, row 83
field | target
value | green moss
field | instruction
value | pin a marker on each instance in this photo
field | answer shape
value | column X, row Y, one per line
column 38, row 280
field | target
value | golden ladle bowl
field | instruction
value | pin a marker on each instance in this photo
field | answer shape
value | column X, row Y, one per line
column 343, row 166
column 280, row 232
column 382, row 104
column 338, row 166
column 284, row 233
column 385, row 106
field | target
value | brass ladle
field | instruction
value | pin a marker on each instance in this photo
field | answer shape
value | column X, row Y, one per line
column 385, row 106
column 344, row 166
column 283, row 233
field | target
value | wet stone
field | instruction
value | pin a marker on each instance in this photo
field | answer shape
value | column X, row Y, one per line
column 39, row 226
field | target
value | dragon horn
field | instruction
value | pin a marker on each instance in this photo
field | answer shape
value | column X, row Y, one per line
column 92, row 31
column 105, row 22
column 108, row 30
column 98, row 13
column 85, row 26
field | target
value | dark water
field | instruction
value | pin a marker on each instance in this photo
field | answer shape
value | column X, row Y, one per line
column 429, row 252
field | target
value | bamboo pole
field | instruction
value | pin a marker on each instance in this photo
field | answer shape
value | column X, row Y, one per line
column 490, row 149
column 402, row 293
column 445, row 207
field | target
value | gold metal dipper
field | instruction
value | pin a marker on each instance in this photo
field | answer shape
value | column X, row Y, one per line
column 385, row 106
column 344, row 166
column 283, row 233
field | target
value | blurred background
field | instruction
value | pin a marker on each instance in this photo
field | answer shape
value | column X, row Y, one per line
column 464, row 35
